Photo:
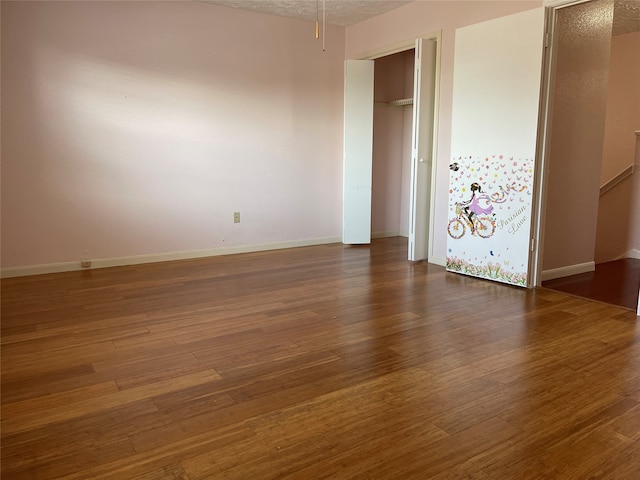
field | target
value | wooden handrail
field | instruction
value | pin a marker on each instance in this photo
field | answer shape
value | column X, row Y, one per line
column 627, row 172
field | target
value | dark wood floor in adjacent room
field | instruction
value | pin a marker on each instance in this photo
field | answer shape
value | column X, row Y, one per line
column 613, row 282
column 317, row 362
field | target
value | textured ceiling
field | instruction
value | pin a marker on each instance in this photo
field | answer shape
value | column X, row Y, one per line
column 338, row 12
column 626, row 16
column 348, row 12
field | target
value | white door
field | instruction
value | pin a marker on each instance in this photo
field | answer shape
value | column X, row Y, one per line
column 496, row 92
column 422, row 148
column 358, row 150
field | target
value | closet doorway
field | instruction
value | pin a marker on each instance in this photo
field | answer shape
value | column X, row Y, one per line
column 402, row 170
column 392, row 132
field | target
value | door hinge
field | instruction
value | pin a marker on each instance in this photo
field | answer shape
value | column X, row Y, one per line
column 533, row 244
column 546, row 39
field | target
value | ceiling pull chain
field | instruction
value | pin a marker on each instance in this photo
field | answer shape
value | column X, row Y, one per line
column 323, row 25
column 317, row 16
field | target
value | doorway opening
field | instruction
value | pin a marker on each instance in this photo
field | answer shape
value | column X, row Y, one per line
column 588, row 234
column 401, row 168
column 392, row 128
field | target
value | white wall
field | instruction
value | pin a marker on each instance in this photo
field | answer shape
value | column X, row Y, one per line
column 136, row 128
column 414, row 20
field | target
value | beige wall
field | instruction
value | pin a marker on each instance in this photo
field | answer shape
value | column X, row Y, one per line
column 138, row 128
column 617, row 222
column 388, row 144
column 623, row 105
column 634, row 232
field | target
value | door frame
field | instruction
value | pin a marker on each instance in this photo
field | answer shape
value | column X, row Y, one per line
column 542, row 167
column 551, row 7
column 402, row 47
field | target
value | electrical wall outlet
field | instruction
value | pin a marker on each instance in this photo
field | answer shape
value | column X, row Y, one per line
column 85, row 263
column 236, row 217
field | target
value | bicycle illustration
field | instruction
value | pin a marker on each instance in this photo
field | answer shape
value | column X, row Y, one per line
column 475, row 213
column 482, row 225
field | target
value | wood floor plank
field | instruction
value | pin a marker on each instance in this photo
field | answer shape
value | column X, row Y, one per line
column 614, row 282
column 20, row 417
column 167, row 457
column 73, row 442
column 316, row 362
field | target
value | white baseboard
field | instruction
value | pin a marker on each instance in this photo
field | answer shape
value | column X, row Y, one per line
column 389, row 234
column 632, row 254
column 442, row 261
column 568, row 270
column 185, row 255
column 159, row 257
column 385, row 234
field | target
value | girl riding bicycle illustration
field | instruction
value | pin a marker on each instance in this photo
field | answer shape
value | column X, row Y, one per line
column 476, row 213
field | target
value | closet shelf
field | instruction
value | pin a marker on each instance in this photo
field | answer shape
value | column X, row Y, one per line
column 403, row 102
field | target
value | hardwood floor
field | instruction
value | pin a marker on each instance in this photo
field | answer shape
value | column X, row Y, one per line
column 318, row 362
column 614, row 282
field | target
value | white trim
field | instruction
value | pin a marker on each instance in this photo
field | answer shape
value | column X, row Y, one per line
column 539, row 204
column 397, row 47
column 159, row 257
column 634, row 253
column 434, row 153
column 386, row 234
column 403, row 46
column 618, row 179
column 562, row 3
column 386, row 51
column 537, row 276
column 41, row 269
column 568, row 270
column 442, row 261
